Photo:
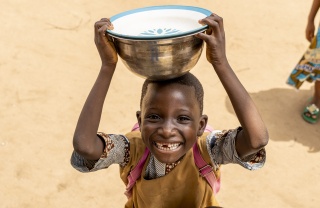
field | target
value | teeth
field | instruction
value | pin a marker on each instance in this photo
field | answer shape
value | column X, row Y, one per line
column 167, row 146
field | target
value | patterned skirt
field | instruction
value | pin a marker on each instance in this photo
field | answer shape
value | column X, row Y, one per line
column 308, row 68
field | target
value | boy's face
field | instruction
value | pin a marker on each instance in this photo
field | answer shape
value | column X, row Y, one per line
column 170, row 120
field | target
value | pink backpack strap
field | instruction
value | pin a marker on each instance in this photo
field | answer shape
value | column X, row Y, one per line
column 206, row 170
column 135, row 173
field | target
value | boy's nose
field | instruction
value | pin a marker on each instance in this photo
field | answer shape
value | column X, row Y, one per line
column 167, row 129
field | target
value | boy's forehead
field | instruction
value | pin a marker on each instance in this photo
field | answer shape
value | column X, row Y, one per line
column 155, row 89
column 159, row 91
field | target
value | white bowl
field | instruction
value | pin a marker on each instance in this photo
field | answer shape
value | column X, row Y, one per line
column 158, row 22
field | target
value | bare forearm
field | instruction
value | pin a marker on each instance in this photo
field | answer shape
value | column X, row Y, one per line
column 254, row 135
column 85, row 140
column 314, row 10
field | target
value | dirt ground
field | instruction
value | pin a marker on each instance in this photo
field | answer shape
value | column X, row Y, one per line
column 49, row 62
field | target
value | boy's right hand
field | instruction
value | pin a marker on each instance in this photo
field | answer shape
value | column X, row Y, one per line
column 104, row 42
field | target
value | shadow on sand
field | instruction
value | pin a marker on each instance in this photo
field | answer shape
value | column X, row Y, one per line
column 281, row 110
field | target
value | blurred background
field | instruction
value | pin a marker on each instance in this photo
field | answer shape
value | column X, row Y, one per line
column 48, row 64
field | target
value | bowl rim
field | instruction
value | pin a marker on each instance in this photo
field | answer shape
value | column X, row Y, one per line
column 150, row 8
column 157, row 39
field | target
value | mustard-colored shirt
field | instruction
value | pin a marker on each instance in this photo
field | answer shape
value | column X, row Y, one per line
column 182, row 187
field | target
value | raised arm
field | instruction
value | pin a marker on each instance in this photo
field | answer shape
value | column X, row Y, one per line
column 85, row 140
column 254, row 135
column 310, row 29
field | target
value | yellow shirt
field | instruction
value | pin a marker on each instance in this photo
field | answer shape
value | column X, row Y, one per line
column 182, row 187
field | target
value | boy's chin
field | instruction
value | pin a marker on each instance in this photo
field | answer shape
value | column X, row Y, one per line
column 168, row 159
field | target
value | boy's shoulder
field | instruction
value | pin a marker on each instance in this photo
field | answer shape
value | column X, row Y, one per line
column 134, row 138
column 137, row 146
column 203, row 146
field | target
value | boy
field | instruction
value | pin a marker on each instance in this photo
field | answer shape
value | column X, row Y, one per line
column 170, row 121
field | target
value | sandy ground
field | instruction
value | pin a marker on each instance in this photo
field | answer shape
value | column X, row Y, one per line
column 49, row 62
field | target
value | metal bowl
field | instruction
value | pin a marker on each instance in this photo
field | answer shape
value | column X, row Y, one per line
column 159, row 59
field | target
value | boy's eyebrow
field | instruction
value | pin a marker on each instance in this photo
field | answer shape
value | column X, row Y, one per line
column 179, row 109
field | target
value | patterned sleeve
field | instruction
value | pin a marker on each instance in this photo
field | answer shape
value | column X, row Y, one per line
column 116, row 151
column 221, row 147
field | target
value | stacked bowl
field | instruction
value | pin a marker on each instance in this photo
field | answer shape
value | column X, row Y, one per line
column 159, row 42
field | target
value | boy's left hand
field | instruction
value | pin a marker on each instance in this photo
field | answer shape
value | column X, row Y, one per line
column 310, row 31
column 215, row 39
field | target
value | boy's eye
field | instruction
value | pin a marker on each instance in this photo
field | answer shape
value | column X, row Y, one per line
column 153, row 117
column 183, row 118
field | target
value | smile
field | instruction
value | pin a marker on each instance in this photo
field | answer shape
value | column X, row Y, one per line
column 167, row 146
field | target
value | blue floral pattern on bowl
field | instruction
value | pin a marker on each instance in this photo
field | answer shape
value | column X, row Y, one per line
column 160, row 31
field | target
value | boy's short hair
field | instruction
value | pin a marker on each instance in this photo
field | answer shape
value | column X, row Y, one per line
column 187, row 79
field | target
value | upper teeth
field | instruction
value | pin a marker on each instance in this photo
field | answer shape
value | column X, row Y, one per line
column 167, row 146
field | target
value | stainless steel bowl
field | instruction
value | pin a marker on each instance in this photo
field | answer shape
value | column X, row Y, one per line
column 159, row 59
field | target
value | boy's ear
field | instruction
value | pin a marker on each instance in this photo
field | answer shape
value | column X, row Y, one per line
column 138, row 115
column 202, row 125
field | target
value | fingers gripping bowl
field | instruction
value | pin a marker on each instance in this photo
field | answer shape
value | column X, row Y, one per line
column 161, row 42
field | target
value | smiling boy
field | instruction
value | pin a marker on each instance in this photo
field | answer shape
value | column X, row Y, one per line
column 172, row 125
column 170, row 119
